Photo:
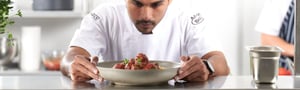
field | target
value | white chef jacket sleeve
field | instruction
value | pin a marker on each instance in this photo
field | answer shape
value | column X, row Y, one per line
column 271, row 18
column 90, row 36
column 199, row 40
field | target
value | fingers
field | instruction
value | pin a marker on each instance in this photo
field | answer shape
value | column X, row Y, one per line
column 86, row 63
column 197, row 76
column 83, row 69
column 187, row 65
column 192, row 69
column 185, row 58
column 79, row 77
column 187, row 70
column 94, row 60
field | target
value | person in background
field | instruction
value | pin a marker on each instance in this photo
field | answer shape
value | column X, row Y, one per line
column 153, row 27
column 276, row 24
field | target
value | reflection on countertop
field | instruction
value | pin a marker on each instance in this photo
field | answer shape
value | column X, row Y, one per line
column 220, row 82
column 215, row 83
column 55, row 80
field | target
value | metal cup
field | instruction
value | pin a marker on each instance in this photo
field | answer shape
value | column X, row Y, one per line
column 266, row 86
column 264, row 63
column 8, row 51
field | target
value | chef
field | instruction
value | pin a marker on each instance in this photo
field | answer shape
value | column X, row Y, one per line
column 158, row 28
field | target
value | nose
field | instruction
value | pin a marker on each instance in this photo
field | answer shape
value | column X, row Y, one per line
column 146, row 13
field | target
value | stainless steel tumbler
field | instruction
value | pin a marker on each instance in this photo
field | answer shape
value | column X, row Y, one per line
column 264, row 63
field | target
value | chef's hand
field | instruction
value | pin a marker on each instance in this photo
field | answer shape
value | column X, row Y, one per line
column 193, row 69
column 84, row 69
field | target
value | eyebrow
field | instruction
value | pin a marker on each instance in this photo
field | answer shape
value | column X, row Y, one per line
column 138, row 1
column 157, row 2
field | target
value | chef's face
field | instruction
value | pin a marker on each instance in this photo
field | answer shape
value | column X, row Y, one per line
column 146, row 14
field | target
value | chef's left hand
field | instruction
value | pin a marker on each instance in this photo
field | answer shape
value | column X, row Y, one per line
column 193, row 69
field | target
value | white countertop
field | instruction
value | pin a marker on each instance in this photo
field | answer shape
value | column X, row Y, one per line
column 55, row 80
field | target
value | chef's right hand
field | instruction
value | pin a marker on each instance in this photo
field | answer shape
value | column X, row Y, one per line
column 83, row 69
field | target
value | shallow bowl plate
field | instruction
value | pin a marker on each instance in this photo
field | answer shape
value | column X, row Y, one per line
column 138, row 77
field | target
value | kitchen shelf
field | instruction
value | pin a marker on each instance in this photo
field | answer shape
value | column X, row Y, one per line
column 50, row 14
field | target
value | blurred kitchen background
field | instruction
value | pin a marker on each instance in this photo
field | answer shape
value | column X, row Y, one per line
column 233, row 23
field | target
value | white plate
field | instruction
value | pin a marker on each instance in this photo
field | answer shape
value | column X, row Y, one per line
column 138, row 77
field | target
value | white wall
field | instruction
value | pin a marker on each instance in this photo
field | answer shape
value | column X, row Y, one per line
column 249, row 15
column 56, row 33
column 233, row 21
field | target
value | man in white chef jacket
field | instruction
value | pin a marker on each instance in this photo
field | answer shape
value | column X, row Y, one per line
column 157, row 28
